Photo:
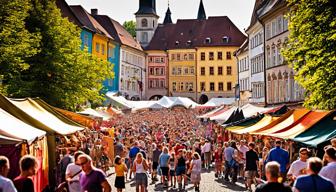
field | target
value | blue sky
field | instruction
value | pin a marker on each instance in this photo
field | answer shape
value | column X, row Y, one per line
column 239, row 11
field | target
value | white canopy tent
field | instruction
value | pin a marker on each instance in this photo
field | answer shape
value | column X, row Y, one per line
column 225, row 115
column 11, row 127
column 214, row 102
column 250, row 110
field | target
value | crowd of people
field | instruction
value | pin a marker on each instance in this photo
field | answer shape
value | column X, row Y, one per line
column 172, row 148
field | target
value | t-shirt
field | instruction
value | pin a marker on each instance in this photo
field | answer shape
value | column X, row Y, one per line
column 120, row 169
column 92, row 182
column 313, row 183
column 329, row 172
column 156, row 155
column 228, row 153
column 273, row 187
column 243, row 149
column 163, row 161
column 279, row 155
column 71, row 170
column 6, row 185
column 24, row 184
column 296, row 167
column 134, row 151
column 251, row 158
column 119, row 148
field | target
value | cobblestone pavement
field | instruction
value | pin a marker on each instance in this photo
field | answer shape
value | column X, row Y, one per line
column 208, row 184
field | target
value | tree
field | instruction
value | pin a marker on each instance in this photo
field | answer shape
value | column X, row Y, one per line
column 130, row 27
column 17, row 44
column 60, row 72
column 311, row 50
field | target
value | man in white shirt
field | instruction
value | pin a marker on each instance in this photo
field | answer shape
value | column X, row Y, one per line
column 329, row 171
column 242, row 157
column 72, row 173
column 6, row 185
column 299, row 166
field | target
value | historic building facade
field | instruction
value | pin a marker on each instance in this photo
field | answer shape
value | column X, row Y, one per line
column 244, row 73
column 280, row 84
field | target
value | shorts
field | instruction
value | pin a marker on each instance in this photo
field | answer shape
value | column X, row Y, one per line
column 207, row 156
column 155, row 165
column 119, row 182
column 172, row 173
column 141, row 179
column 250, row 174
column 180, row 171
column 164, row 171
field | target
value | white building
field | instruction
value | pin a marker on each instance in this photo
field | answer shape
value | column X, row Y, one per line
column 244, row 73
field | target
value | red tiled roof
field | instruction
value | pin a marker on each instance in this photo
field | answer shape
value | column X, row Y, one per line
column 88, row 21
column 191, row 33
column 117, row 31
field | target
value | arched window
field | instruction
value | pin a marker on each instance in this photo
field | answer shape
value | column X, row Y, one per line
column 269, row 88
column 273, row 55
column 268, row 59
column 286, row 88
column 144, row 37
column 144, row 23
column 279, row 53
column 291, row 86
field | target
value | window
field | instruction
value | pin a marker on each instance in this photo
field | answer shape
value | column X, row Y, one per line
column 229, row 70
column 268, row 58
column 157, row 71
column 174, row 71
column 186, row 71
column 202, row 56
column 228, row 55
column 97, row 47
column 191, row 56
column 157, row 83
column 178, row 57
column 179, row 71
column 174, row 86
column 229, row 86
column 185, row 57
column 274, row 28
column 226, row 39
column 162, row 60
column 144, row 23
column 150, row 84
column 162, row 84
column 220, row 86
column 145, row 37
column 273, row 56
column 220, row 55
column 103, row 49
column 111, row 52
column 268, row 31
column 212, row 86
column 191, row 70
column 202, row 70
column 220, row 70
column 211, row 55
column 211, row 70
column 151, row 71
column 161, row 71
column 208, row 40
column 280, row 24
column 285, row 24
column 173, row 57
column 181, row 86
column 202, row 86
column 190, row 86
column 86, row 40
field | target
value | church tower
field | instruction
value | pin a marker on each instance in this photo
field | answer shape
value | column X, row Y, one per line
column 201, row 12
column 146, row 21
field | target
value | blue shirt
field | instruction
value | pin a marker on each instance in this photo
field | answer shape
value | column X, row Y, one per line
column 279, row 155
column 228, row 153
column 163, row 161
column 313, row 183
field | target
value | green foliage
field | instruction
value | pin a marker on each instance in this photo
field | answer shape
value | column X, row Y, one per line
column 130, row 27
column 58, row 71
column 312, row 50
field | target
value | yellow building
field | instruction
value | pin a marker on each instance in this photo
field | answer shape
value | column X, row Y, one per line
column 216, row 72
column 182, row 75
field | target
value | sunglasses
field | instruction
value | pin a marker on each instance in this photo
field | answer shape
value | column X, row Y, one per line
column 81, row 164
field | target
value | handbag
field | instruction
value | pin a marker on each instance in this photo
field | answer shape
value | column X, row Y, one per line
column 64, row 186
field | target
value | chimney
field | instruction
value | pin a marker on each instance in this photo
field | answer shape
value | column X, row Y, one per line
column 94, row 11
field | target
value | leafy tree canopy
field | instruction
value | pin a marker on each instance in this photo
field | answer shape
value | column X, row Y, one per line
column 130, row 27
column 312, row 50
column 54, row 67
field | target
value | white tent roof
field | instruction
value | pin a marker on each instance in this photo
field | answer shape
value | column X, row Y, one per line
column 206, row 115
column 94, row 113
column 14, row 128
column 225, row 115
column 213, row 102
column 250, row 110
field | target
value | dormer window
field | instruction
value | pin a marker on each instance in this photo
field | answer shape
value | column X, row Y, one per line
column 177, row 43
column 208, row 40
column 226, row 39
column 189, row 43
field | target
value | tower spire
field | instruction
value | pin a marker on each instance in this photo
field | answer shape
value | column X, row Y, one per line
column 201, row 12
column 167, row 18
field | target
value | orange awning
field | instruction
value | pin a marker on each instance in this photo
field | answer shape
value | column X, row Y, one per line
column 291, row 120
column 302, row 125
column 264, row 122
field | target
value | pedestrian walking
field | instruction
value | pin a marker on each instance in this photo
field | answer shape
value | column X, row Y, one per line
column 156, row 154
column 251, row 166
column 219, row 157
column 207, row 153
column 313, row 182
column 28, row 167
column 132, row 155
column 281, row 156
column 72, row 173
column 164, row 166
column 329, row 171
column 140, row 168
column 6, row 185
column 172, row 173
column 195, row 170
column 231, row 162
column 272, row 175
column 180, row 164
column 92, row 179
column 299, row 166
column 120, row 170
